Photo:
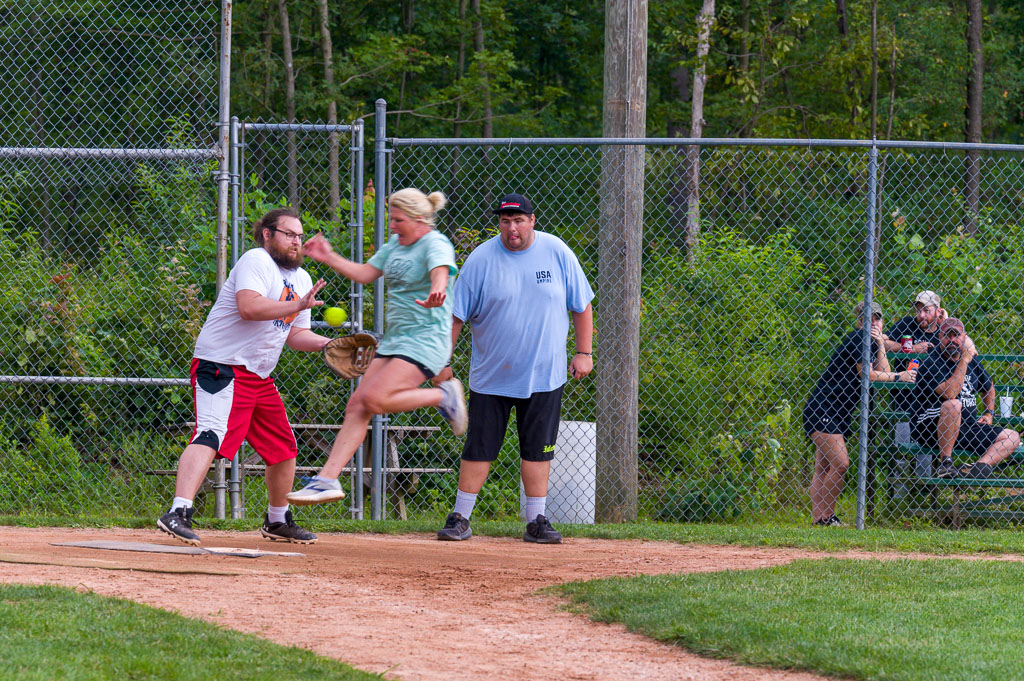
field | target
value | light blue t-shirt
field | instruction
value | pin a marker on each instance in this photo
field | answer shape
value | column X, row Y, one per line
column 517, row 305
column 420, row 333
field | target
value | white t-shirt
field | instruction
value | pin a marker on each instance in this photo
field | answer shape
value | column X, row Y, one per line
column 228, row 339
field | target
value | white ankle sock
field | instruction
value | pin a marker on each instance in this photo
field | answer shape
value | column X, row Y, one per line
column 331, row 482
column 181, row 502
column 275, row 514
column 464, row 503
column 535, row 507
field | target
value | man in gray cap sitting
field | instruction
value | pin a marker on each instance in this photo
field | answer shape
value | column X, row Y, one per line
column 922, row 328
column 946, row 414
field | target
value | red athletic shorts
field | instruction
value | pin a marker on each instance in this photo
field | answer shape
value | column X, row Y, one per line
column 234, row 404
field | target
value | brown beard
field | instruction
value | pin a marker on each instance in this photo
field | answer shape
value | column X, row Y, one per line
column 282, row 258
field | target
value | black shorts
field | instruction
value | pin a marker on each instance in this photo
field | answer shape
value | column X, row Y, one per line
column 405, row 358
column 973, row 437
column 537, row 418
column 822, row 415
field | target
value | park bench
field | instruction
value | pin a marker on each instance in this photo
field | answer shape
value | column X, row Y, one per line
column 994, row 497
column 400, row 481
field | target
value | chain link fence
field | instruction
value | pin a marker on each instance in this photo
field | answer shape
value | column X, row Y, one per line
column 745, row 298
column 107, row 232
column 318, row 169
column 749, row 260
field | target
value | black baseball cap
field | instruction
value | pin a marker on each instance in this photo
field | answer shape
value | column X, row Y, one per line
column 514, row 203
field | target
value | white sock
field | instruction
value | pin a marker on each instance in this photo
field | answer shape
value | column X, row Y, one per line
column 275, row 514
column 181, row 502
column 464, row 503
column 330, row 482
column 535, row 507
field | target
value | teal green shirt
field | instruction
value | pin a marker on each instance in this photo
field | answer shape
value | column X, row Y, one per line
column 420, row 333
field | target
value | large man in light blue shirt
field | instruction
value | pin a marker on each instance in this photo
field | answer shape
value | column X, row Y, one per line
column 515, row 291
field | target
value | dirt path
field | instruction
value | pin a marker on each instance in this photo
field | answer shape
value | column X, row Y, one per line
column 411, row 607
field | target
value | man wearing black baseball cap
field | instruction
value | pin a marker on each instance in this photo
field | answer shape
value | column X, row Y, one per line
column 513, row 291
column 946, row 414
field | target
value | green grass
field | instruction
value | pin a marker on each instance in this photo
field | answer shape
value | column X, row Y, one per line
column 904, row 620
column 936, row 541
column 51, row 633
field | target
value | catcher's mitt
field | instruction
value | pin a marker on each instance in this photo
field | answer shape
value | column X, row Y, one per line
column 350, row 356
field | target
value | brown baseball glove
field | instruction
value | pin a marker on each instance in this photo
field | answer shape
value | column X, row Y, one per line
column 350, row 356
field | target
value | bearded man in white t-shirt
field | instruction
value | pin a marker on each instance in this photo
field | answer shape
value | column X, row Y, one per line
column 263, row 305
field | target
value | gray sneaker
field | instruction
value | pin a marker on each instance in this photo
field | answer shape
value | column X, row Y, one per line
column 178, row 524
column 456, row 528
column 453, row 405
column 946, row 469
column 541, row 532
column 317, row 492
column 286, row 531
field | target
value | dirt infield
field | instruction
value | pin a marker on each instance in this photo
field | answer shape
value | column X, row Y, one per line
column 409, row 606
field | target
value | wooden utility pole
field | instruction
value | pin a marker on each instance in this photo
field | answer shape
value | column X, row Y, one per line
column 619, row 260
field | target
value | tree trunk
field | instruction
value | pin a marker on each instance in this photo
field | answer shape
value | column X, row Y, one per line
column 841, row 21
column 883, row 157
column 488, row 125
column 487, row 129
column 972, row 162
column 408, row 19
column 681, row 84
column 745, row 37
column 705, row 20
column 874, row 69
column 289, row 99
column 619, row 261
column 460, row 72
column 327, row 48
column 268, row 55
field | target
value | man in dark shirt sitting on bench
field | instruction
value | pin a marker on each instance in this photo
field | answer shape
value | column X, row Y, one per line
column 946, row 410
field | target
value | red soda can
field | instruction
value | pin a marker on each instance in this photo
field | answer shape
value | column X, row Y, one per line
column 914, row 363
column 907, row 344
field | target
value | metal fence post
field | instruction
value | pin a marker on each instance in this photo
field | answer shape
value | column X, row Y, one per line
column 865, row 376
column 356, row 304
column 223, row 179
column 379, row 232
column 235, row 482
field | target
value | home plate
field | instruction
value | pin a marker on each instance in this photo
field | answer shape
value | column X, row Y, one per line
column 166, row 548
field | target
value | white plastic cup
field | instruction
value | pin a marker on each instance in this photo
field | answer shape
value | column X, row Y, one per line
column 1006, row 405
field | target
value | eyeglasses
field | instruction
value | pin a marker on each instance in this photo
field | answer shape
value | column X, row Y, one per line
column 290, row 236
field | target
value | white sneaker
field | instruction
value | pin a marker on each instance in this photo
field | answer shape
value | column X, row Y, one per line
column 317, row 492
column 453, row 405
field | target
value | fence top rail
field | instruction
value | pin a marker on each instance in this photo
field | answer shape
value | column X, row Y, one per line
column 132, row 154
column 691, row 141
column 300, row 127
column 95, row 380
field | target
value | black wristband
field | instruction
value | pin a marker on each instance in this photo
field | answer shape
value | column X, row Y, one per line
column 990, row 411
column 588, row 354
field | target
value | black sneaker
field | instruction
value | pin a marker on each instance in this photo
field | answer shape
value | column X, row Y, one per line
column 978, row 471
column 286, row 531
column 456, row 528
column 832, row 521
column 541, row 532
column 946, row 469
column 178, row 524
